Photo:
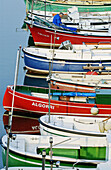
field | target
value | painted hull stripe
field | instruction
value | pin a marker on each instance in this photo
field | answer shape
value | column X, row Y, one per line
column 63, row 61
column 71, row 132
column 58, row 104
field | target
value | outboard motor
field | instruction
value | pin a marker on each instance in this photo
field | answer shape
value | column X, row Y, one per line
column 66, row 45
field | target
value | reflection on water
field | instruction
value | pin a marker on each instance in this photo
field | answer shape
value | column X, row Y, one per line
column 32, row 79
column 12, row 14
column 22, row 123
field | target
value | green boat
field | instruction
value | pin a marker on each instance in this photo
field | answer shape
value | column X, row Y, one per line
column 60, row 6
column 82, row 152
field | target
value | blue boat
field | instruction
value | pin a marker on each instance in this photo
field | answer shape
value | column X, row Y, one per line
column 67, row 61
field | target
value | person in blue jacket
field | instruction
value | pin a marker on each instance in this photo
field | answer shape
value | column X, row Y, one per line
column 57, row 22
column 57, row 19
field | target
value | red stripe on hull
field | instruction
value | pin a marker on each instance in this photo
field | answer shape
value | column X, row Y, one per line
column 31, row 103
column 39, row 106
column 42, row 35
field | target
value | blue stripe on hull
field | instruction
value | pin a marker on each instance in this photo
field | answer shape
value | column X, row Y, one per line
column 38, row 63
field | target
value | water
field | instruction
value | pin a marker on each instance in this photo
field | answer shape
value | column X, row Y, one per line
column 12, row 14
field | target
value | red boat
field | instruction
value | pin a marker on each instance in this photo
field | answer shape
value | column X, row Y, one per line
column 22, row 124
column 35, row 100
column 46, row 34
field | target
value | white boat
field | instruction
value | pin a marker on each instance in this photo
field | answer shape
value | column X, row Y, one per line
column 68, row 61
column 74, row 126
column 98, row 23
column 88, row 82
column 71, row 152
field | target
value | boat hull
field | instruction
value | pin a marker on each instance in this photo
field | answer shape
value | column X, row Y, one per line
column 77, row 86
column 40, row 106
column 29, row 154
column 44, row 36
column 38, row 62
column 73, row 126
column 22, row 160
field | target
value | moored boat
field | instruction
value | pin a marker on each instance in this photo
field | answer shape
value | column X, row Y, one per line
column 67, row 61
column 26, row 150
column 36, row 101
column 84, row 22
column 81, row 82
column 45, row 33
column 74, row 126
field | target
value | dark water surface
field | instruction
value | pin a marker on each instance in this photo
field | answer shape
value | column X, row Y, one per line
column 12, row 14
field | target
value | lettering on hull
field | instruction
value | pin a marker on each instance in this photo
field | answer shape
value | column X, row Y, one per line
column 43, row 34
column 42, row 105
column 35, row 127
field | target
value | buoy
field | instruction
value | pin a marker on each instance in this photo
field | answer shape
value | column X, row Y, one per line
column 94, row 110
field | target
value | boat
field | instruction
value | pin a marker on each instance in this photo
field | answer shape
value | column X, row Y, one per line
column 57, row 6
column 87, row 82
column 88, row 25
column 22, row 123
column 67, row 61
column 45, row 33
column 81, row 82
column 74, row 126
column 26, row 150
column 35, row 100
column 74, row 19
